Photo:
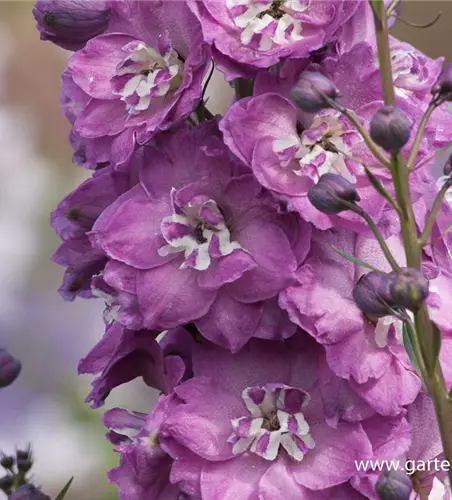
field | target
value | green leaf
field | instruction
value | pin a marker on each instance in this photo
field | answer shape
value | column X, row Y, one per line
column 63, row 492
column 407, row 332
column 355, row 260
column 436, row 345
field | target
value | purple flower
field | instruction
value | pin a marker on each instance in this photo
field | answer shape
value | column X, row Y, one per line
column 122, row 355
column 144, row 469
column 71, row 23
column 368, row 353
column 127, row 86
column 74, row 218
column 199, row 240
column 247, row 35
column 252, row 425
column 263, row 132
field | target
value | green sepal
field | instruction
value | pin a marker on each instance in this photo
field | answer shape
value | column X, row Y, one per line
column 409, row 348
column 436, row 345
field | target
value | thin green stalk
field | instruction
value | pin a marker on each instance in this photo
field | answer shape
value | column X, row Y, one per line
column 423, row 325
column 373, row 227
column 384, row 247
column 419, row 135
column 434, row 212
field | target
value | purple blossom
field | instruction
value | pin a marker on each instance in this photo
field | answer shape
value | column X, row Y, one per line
column 151, row 78
column 74, row 218
column 368, row 353
column 290, row 162
column 144, row 469
column 199, row 240
column 246, row 35
column 252, row 424
column 122, row 355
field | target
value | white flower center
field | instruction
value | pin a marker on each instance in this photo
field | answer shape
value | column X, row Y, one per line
column 321, row 149
column 146, row 74
column 268, row 22
column 276, row 421
column 199, row 230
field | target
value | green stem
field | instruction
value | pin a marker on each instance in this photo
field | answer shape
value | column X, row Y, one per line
column 373, row 227
column 384, row 54
column 434, row 212
column 424, row 328
column 384, row 247
column 419, row 135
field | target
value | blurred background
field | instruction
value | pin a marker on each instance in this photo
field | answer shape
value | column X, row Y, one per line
column 45, row 406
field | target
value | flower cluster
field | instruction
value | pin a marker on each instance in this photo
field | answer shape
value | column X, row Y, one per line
column 217, row 245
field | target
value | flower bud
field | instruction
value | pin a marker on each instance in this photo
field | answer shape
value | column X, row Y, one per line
column 329, row 194
column 28, row 492
column 443, row 85
column 409, row 288
column 6, row 482
column 71, row 23
column 394, row 485
column 372, row 294
column 390, row 128
column 6, row 461
column 9, row 368
column 24, row 460
column 309, row 92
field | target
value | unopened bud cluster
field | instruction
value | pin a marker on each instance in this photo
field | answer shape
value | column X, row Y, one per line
column 15, row 481
column 377, row 294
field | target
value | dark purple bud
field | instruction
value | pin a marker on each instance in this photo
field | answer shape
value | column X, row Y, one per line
column 71, row 23
column 24, row 460
column 443, row 85
column 390, row 128
column 310, row 91
column 394, row 485
column 330, row 193
column 447, row 169
column 28, row 492
column 9, row 368
column 6, row 482
column 372, row 294
column 409, row 288
column 6, row 461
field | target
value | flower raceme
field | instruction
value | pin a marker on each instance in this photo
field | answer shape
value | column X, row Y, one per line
column 217, row 244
